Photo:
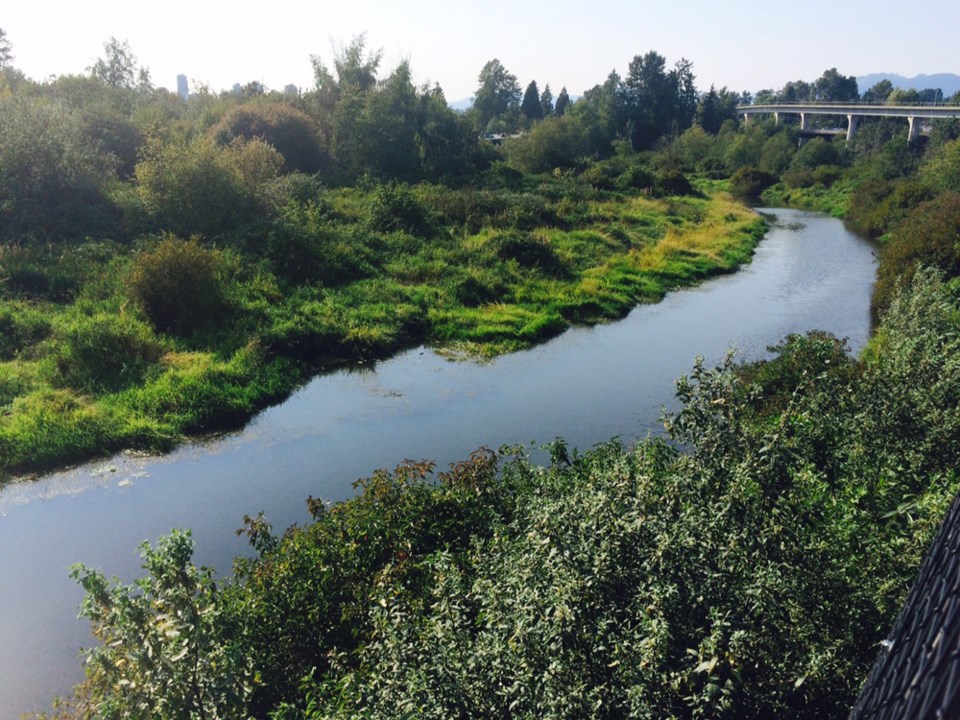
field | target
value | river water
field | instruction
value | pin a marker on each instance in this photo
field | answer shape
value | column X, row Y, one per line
column 586, row 386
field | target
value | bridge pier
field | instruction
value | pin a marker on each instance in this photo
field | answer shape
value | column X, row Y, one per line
column 852, row 121
column 803, row 121
column 914, row 128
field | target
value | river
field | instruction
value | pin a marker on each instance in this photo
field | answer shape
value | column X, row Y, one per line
column 586, row 386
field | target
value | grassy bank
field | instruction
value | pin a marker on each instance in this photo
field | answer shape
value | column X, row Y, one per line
column 108, row 346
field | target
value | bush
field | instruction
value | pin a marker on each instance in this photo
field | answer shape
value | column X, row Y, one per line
column 749, row 182
column 673, row 183
column 394, row 207
column 635, row 177
column 178, row 285
column 555, row 142
column 21, row 326
column 878, row 205
column 104, row 352
column 193, row 187
column 291, row 131
column 529, row 252
column 930, row 236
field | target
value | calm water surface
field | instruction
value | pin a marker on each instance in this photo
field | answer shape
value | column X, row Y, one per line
column 587, row 385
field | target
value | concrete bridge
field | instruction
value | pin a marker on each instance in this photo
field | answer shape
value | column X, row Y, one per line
column 854, row 111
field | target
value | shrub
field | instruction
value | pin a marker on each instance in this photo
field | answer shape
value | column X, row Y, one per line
column 673, row 183
column 193, row 187
column 394, row 207
column 104, row 352
column 749, row 182
column 529, row 252
column 635, row 177
column 930, row 236
column 178, row 285
column 291, row 131
column 21, row 326
column 555, row 142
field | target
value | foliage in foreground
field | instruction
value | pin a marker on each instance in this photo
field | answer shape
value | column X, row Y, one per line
column 750, row 575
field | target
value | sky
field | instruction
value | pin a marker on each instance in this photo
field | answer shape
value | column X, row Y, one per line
column 740, row 44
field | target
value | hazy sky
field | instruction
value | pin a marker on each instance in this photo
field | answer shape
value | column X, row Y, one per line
column 745, row 45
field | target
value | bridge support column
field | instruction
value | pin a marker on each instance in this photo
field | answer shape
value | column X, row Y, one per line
column 746, row 119
column 914, row 128
column 803, row 121
column 852, row 121
column 776, row 118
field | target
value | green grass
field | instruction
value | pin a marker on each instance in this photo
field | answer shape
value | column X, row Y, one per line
column 84, row 370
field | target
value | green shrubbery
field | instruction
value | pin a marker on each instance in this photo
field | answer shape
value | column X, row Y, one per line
column 103, row 352
column 751, row 576
column 928, row 237
column 179, row 285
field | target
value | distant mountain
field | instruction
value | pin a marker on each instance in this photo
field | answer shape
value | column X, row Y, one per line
column 467, row 103
column 948, row 82
column 461, row 105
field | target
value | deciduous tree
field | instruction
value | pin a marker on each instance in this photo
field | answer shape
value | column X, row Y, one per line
column 118, row 67
column 834, row 87
column 497, row 93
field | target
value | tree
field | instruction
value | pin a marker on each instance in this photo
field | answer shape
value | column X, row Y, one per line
column 766, row 96
column 531, row 108
column 563, row 100
column 52, row 178
column 291, row 131
column 931, row 95
column 546, row 101
column 448, row 145
column 714, row 108
column 834, row 87
column 899, row 96
column 603, row 113
column 796, row 91
column 497, row 93
column 355, row 69
column 389, row 127
column 6, row 49
column 659, row 101
column 119, row 66
column 686, row 95
column 879, row 92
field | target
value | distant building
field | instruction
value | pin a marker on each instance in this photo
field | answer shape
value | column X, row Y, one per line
column 183, row 89
column 291, row 90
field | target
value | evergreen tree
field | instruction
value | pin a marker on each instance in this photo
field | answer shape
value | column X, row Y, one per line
column 530, row 108
column 546, row 101
column 6, row 49
column 562, row 101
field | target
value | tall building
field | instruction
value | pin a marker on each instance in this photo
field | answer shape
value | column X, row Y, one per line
column 183, row 89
